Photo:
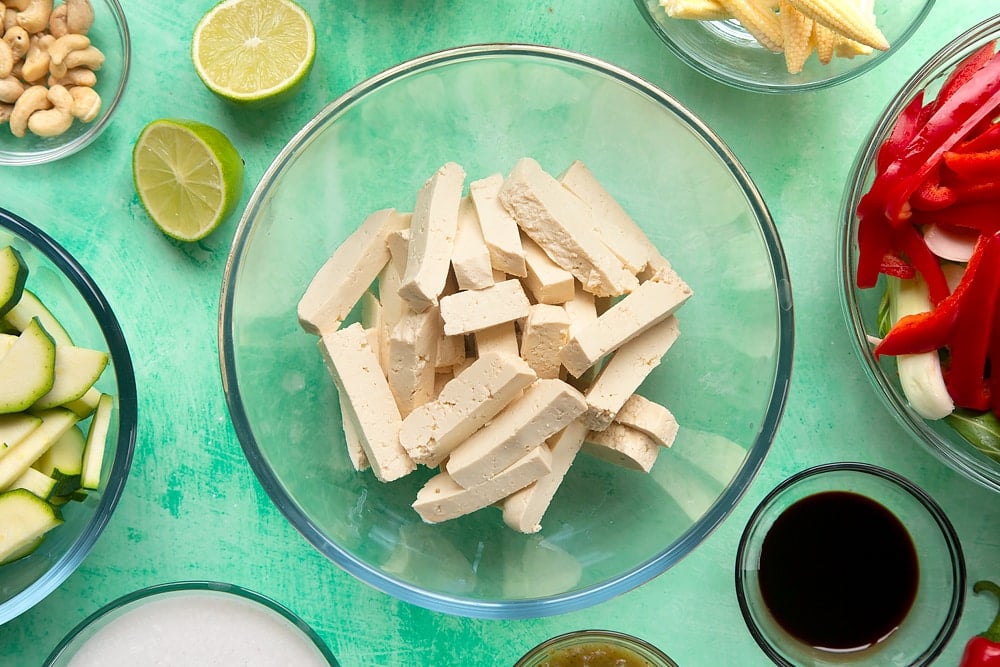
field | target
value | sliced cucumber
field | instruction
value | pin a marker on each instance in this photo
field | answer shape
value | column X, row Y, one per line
column 86, row 404
column 24, row 517
column 6, row 342
column 27, row 371
column 55, row 423
column 14, row 428
column 37, row 482
column 63, row 461
column 97, row 438
column 13, row 273
column 30, row 307
column 76, row 371
column 27, row 550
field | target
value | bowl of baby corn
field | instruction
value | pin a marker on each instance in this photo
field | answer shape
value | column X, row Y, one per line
column 783, row 46
column 63, row 70
column 493, row 350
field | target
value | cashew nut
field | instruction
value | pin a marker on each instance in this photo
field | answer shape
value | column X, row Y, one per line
column 36, row 61
column 63, row 45
column 6, row 59
column 10, row 89
column 19, row 5
column 53, row 122
column 78, row 76
column 35, row 16
column 86, row 103
column 9, row 18
column 57, row 21
column 90, row 57
column 35, row 98
column 5, row 111
column 79, row 16
column 18, row 40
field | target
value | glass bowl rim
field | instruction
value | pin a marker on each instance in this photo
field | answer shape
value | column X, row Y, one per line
column 913, row 423
column 127, row 413
column 194, row 585
column 637, row 575
column 108, row 107
column 933, row 509
column 596, row 635
column 772, row 88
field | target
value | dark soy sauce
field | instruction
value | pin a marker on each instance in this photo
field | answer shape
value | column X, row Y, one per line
column 838, row 571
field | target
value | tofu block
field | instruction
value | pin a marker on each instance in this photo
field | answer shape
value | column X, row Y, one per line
column 450, row 349
column 432, row 237
column 650, row 417
column 355, row 370
column 648, row 305
column 474, row 310
column 348, row 273
column 545, row 333
column 500, row 231
column 399, row 244
column 523, row 510
column 465, row 404
column 392, row 308
column 626, row 370
column 413, row 344
column 544, row 409
column 500, row 338
column 582, row 309
column 617, row 229
column 355, row 450
column 559, row 222
column 441, row 498
column 471, row 260
column 623, row 446
column 546, row 280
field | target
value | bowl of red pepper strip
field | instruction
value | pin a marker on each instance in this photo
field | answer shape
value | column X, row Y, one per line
column 920, row 254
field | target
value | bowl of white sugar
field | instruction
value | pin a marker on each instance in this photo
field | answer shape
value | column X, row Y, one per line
column 192, row 623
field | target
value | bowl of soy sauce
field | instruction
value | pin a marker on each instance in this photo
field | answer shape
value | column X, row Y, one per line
column 850, row 564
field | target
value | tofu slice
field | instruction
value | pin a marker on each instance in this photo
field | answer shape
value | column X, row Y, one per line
column 500, row 231
column 523, row 510
column 471, row 260
column 617, row 229
column 474, row 310
column 413, row 344
column 626, row 370
column 355, row 450
column 650, row 417
column 450, row 349
column 546, row 280
column 392, row 308
column 623, row 446
column 465, row 404
column 398, row 242
column 500, row 338
column 545, row 333
column 559, row 222
column 355, row 370
column 348, row 273
column 544, row 409
column 582, row 309
column 432, row 237
column 441, row 498
column 651, row 303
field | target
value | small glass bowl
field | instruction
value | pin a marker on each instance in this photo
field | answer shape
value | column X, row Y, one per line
column 154, row 609
column 726, row 52
column 74, row 298
column 580, row 641
column 935, row 611
column 110, row 34
column 861, row 306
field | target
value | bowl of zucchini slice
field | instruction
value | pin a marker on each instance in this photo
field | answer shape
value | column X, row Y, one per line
column 67, row 414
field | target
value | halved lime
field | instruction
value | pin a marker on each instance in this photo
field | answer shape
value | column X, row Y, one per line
column 188, row 176
column 253, row 50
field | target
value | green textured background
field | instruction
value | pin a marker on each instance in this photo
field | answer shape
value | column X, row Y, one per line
column 192, row 508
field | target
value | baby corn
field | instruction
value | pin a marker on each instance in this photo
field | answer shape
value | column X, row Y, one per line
column 825, row 40
column 697, row 10
column 796, row 30
column 759, row 21
column 844, row 17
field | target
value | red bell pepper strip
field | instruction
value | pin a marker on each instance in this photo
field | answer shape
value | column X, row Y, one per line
column 982, row 165
column 965, row 71
column 911, row 242
column 907, row 125
column 969, row 342
column 949, row 124
column 894, row 265
column 932, row 195
column 986, row 140
column 981, row 191
column 983, row 217
column 931, row 330
column 983, row 650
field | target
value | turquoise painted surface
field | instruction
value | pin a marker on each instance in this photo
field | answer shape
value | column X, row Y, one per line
column 192, row 508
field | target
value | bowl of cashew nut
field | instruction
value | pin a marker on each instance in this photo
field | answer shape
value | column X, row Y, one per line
column 63, row 68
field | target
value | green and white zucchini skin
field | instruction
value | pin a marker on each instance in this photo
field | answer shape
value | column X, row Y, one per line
column 13, row 274
column 24, row 519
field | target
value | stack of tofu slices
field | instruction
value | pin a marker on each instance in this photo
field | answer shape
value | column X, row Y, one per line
column 512, row 326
